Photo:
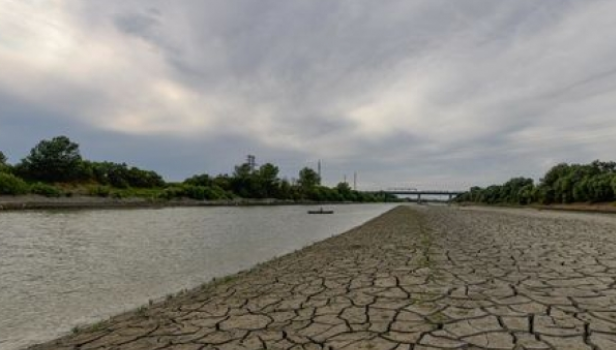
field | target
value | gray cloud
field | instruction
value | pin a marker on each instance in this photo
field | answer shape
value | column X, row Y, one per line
column 428, row 92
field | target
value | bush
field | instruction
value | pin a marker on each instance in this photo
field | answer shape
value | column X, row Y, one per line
column 12, row 185
column 195, row 192
column 100, row 191
column 171, row 193
column 45, row 190
column 118, row 195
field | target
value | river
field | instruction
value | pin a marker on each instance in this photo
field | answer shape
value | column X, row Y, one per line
column 61, row 269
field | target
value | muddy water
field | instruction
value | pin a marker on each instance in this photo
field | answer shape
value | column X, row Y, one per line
column 61, row 269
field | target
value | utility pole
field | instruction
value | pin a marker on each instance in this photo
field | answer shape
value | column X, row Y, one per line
column 345, row 180
column 355, row 181
column 319, row 169
column 251, row 161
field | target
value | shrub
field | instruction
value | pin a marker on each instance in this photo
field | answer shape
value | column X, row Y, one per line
column 119, row 195
column 171, row 193
column 12, row 185
column 195, row 192
column 100, row 191
column 45, row 190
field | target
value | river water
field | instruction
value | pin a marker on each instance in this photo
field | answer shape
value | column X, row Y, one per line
column 61, row 269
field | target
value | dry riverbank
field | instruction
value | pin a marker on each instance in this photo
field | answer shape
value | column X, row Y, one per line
column 412, row 279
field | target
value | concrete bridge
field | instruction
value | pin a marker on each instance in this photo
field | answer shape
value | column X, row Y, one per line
column 415, row 192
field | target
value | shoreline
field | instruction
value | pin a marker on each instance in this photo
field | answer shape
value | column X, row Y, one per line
column 34, row 202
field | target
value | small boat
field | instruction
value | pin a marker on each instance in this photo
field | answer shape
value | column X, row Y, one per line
column 320, row 211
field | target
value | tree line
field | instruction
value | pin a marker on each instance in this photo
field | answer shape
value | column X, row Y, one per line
column 562, row 184
column 56, row 168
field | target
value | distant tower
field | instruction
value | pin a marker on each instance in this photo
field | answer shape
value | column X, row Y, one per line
column 319, row 168
column 355, row 181
column 251, row 161
column 345, row 179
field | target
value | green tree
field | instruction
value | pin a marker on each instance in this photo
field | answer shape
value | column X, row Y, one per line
column 286, row 190
column 4, row 167
column 144, row 178
column 199, row 180
column 121, row 176
column 511, row 190
column 345, row 191
column 582, row 190
column 244, row 181
column 225, row 182
column 308, row 179
column 54, row 160
column 526, row 194
column 600, row 188
column 268, row 181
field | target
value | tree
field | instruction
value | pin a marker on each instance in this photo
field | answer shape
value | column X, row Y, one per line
column 3, row 166
column 267, row 180
column 526, row 194
column 199, row 180
column 600, row 188
column 121, row 176
column 308, row 179
column 225, row 182
column 243, row 181
column 511, row 190
column 287, row 191
column 53, row 160
column 343, row 188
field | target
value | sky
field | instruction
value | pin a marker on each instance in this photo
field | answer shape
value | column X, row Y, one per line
column 429, row 94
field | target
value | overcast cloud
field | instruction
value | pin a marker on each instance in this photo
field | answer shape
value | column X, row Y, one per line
column 418, row 93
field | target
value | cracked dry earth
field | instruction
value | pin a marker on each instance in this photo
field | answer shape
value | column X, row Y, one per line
column 411, row 279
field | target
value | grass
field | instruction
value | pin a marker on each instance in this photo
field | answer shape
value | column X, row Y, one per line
column 438, row 317
column 97, row 327
column 426, row 247
column 142, row 311
column 93, row 328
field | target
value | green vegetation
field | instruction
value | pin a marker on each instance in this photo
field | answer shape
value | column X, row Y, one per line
column 46, row 190
column 3, row 160
column 12, row 185
column 563, row 184
column 56, row 160
column 55, row 168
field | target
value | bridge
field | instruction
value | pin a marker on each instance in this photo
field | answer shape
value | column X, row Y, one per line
column 415, row 192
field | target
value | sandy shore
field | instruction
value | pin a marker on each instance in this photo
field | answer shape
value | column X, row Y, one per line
column 421, row 278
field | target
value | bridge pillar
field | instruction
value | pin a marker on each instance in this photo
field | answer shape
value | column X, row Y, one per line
column 419, row 198
column 450, row 197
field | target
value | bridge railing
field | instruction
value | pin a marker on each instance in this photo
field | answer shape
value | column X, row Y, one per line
column 416, row 191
